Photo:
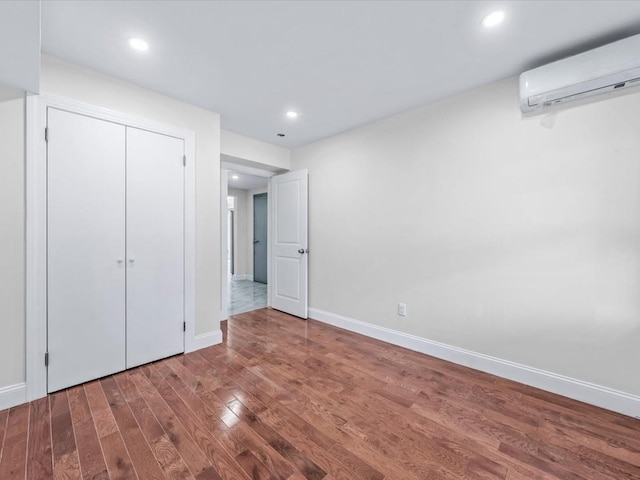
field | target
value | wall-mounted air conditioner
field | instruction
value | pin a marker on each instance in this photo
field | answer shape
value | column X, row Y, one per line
column 604, row 69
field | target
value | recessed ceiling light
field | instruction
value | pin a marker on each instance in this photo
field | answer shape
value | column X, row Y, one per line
column 292, row 114
column 138, row 44
column 235, row 177
column 492, row 19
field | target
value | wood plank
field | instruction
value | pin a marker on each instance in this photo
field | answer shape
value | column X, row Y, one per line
column 349, row 465
column 92, row 463
column 252, row 466
column 288, row 399
column 61, row 425
column 4, row 414
column 165, row 452
column 14, row 453
column 100, row 411
column 191, row 445
column 78, row 404
column 66, row 464
column 116, row 456
column 205, row 435
column 277, row 442
column 264, row 443
column 142, row 458
column 379, row 437
column 39, row 459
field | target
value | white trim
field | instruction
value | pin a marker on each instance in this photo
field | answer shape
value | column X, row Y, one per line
column 72, row 106
column 190, row 240
column 205, row 340
column 13, row 395
column 36, row 251
column 269, row 245
column 224, row 245
column 36, row 204
column 243, row 276
column 604, row 397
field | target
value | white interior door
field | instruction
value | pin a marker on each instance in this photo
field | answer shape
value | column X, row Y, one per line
column 85, row 248
column 155, row 246
column 289, row 253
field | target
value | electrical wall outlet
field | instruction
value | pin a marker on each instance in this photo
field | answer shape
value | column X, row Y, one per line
column 402, row 309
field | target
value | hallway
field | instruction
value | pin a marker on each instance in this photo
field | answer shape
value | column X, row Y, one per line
column 245, row 295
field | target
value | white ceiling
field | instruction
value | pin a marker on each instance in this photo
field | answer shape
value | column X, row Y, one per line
column 340, row 64
column 246, row 181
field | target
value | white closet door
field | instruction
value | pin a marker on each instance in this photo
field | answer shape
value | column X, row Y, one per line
column 155, row 246
column 86, row 248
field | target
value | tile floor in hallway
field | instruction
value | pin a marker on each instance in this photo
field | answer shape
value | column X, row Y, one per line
column 245, row 295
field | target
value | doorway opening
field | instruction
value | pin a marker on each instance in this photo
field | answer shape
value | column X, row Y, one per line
column 286, row 239
column 247, row 242
column 260, row 238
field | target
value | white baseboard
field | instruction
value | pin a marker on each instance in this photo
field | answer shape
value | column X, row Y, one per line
column 243, row 276
column 597, row 395
column 205, row 340
column 13, row 395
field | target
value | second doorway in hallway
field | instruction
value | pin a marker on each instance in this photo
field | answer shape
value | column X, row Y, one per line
column 260, row 238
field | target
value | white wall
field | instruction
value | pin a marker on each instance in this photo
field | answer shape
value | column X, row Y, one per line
column 12, row 251
column 252, row 152
column 20, row 44
column 77, row 83
column 240, row 234
column 503, row 236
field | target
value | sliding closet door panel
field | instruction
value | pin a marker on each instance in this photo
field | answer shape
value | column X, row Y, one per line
column 86, row 248
column 155, row 246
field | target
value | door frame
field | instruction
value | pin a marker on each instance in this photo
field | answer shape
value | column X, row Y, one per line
column 231, row 238
column 36, row 225
column 225, row 167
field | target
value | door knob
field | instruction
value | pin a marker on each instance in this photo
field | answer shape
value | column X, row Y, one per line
column 301, row 250
column 120, row 260
column 132, row 259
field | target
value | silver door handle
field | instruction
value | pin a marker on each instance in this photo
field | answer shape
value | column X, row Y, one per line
column 303, row 250
column 120, row 260
column 131, row 260
column 256, row 241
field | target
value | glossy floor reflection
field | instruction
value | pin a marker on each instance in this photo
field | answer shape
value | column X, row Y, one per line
column 285, row 398
column 245, row 296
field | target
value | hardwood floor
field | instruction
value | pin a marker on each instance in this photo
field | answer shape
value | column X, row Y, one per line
column 282, row 398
